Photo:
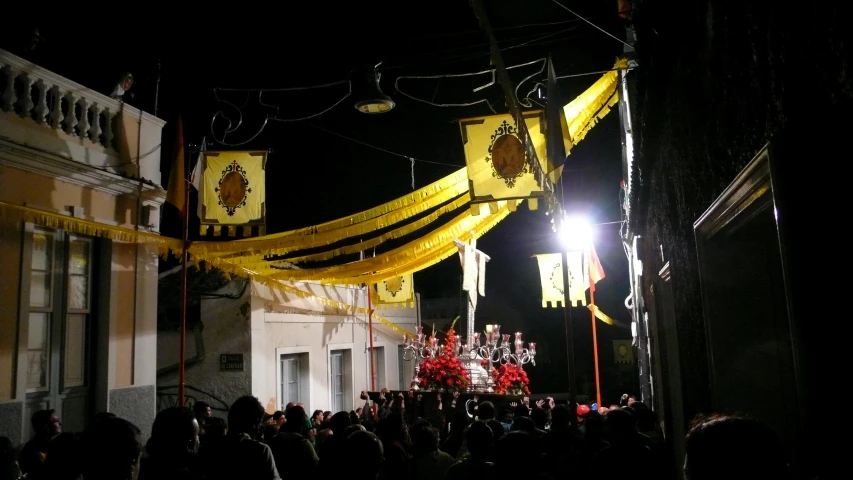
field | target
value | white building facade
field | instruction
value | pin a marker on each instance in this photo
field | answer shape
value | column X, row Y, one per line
column 78, row 300
column 288, row 348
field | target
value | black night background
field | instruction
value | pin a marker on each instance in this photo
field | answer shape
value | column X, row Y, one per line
column 344, row 161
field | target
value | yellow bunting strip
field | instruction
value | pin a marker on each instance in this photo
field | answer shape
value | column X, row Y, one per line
column 594, row 103
column 394, row 234
column 281, row 244
column 605, row 318
column 435, row 243
column 80, row 226
column 327, row 302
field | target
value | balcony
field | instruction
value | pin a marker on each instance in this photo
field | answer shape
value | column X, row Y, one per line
column 54, row 126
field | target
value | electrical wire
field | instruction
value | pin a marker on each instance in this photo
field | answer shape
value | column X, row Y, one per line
column 623, row 42
column 407, row 157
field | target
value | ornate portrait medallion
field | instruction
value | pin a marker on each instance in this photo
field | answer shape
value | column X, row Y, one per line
column 506, row 154
column 233, row 188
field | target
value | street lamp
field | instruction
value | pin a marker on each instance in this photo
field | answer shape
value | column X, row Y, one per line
column 575, row 234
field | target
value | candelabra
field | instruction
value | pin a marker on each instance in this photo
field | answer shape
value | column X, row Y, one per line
column 496, row 349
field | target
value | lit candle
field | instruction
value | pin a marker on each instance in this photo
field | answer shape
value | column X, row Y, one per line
column 505, row 340
column 475, row 340
column 519, row 346
column 532, row 349
column 419, row 329
column 517, row 336
column 489, row 328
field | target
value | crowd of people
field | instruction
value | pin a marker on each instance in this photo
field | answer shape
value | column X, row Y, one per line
column 385, row 440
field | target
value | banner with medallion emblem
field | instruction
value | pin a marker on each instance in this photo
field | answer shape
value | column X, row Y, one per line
column 498, row 168
column 396, row 291
column 234, row 188
column 551, row 277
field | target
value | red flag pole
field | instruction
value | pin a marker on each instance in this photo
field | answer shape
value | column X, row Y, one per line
column 594, row 329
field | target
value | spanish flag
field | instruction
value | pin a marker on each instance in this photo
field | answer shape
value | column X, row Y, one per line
column 176, row 193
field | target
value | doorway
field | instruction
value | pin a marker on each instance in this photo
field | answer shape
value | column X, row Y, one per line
column 59, row 320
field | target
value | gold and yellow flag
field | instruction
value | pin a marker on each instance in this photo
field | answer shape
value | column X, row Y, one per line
column 551, row 276
column 396, row 291
column 623, row 351
column 498, row 168
column 234, row 187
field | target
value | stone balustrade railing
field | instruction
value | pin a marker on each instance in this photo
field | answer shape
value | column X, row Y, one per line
column 84, row 118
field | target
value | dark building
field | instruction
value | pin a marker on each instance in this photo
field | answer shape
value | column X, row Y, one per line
column 738, row 111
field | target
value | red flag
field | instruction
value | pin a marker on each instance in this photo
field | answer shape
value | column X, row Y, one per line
column 625, row 9
column 176, row 194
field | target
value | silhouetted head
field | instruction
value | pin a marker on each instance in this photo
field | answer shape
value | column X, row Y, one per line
column 619, row 425
column 560, row 418
column 63, row 457
column 111, row 450
column 523, row 424
column 425, row 439
column 497, row 430
column 294, row 420
column 365, row 450
column 594, row 425
column 539, row 417
column 486, row 411
column 46, row 424
column 339, row 422
column 734, row 448
column 480, row 440
column 459, row 422
column 174, row 433
column 353, row 429
column 245, row 416
column 521, row 410
column 202, row 411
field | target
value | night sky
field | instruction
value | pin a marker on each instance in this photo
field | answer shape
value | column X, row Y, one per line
column 314, row 175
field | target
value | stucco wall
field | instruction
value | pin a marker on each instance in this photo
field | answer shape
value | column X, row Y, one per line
column 225, row 331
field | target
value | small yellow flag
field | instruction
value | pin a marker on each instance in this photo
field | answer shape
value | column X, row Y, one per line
column 623, row 351
column 234, row 189
column 551, row 277
column 397, row 291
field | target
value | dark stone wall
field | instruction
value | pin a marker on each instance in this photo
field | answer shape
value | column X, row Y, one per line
column 717, row 80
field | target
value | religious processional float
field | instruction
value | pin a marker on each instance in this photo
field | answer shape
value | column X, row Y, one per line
column 491, row 364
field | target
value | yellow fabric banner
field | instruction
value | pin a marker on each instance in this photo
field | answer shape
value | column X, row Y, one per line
column 396, row 291
column 17, row 213
column 498, row 168
column 234, row 187
column 623, row 351
column 551, row 278
column 593, row 104
column 412, row 257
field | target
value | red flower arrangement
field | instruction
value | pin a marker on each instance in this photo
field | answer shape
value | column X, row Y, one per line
column 509, row 377
column 444, row 371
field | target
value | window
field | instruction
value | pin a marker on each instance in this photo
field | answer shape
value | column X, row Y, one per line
column 379, row 365
column 336, row 361
column 291, row 379
column 60, row 316
column 340, row 380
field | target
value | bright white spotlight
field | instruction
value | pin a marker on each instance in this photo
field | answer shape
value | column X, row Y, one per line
column 575, row 234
